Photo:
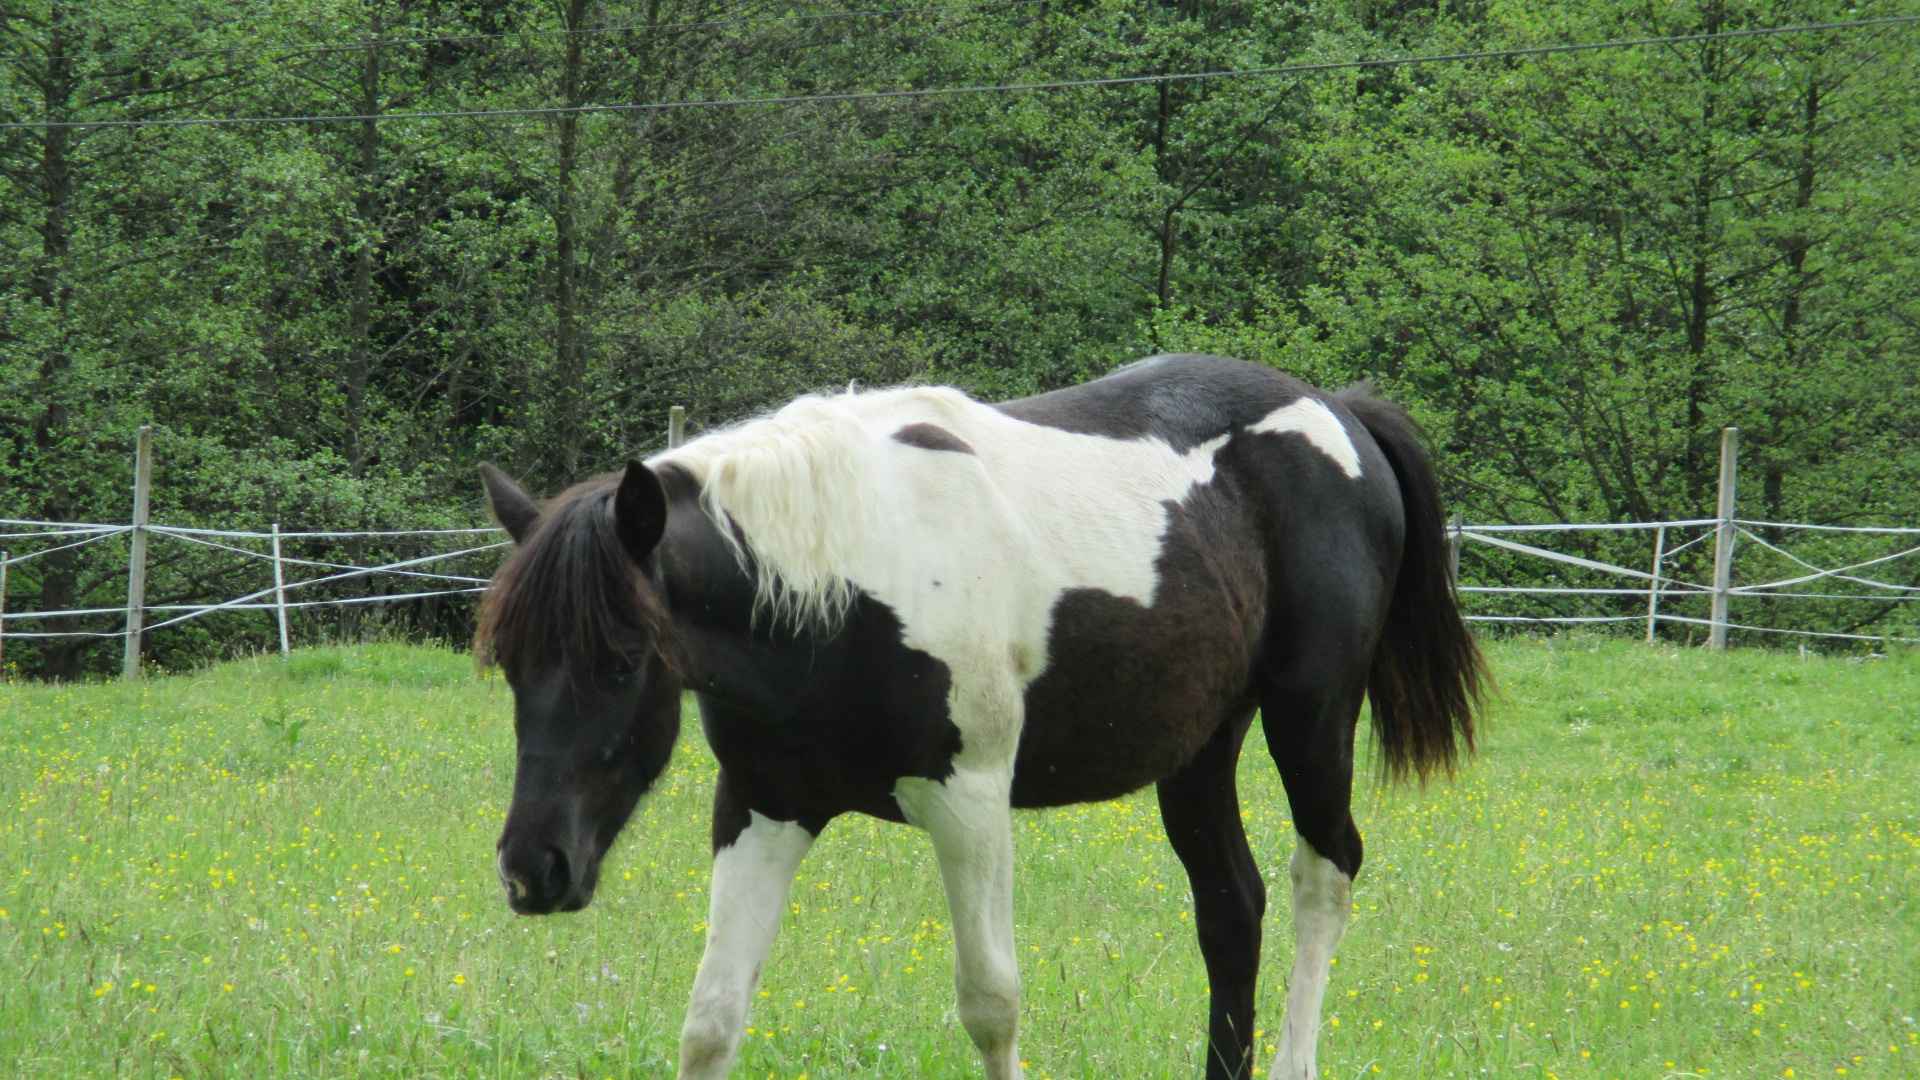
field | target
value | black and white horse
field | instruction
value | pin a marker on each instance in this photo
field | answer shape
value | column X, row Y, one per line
column 910, row 604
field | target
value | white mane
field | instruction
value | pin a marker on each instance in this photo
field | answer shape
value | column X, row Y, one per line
column 806, row 486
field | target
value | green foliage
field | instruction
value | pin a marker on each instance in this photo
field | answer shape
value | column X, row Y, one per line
column 1575, row 269
column 285, row 728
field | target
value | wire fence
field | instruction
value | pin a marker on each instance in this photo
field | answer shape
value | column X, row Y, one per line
column 1669, row 590
column 1504, row 581
column 291, row 583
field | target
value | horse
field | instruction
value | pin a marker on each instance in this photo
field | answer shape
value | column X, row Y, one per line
column 914, row 605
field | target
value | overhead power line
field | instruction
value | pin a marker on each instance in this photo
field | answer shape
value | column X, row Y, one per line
column 691, row 24
column 976, row 89
column 292, row 50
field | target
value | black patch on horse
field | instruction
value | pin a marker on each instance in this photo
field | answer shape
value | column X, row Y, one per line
column 806, row 726
column 1182, row 398
column 1112, row 682
column 932, row 437
column 823, row 727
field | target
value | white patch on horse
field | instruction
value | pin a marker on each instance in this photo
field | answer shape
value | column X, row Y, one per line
column 1322, row 895
column 751, row 878
column 1311, row 417
column 970, row 551
column 970, row 821
column 796, row 484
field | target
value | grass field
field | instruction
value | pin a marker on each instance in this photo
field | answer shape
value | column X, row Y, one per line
column 1662, row 864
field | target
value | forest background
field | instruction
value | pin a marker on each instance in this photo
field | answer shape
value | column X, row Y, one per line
column 1575, row 268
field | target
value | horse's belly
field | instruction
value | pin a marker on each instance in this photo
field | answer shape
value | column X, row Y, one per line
column 1129, row 695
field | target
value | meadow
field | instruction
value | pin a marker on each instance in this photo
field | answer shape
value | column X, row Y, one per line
column 1663, row 863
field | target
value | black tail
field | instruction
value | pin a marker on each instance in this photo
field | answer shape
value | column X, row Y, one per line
column 1427, row 673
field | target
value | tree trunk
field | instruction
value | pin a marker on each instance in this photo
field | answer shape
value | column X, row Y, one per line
column 1699, row 295
column 1162, row 126
column 366, row 203
column 1795, row 246
column 53, row 288
column 569, row 357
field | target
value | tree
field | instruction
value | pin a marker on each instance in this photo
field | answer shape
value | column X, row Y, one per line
column 77, row 246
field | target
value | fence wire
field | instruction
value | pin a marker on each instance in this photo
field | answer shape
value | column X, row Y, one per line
column 54, row 624
column 1663, row 587
column 1491, row 603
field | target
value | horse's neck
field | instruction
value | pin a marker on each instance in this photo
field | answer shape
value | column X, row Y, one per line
column 727, row 648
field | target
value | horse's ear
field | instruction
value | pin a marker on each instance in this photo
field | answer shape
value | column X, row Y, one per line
column 640, row 510
column 512, row 507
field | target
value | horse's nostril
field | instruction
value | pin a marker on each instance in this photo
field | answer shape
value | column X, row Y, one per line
column 558, row 877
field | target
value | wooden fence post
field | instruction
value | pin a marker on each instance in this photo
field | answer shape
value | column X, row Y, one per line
column 137, row 563
column 1454, row 540
column 1653, row 587
column 676, row 426
column 3, row 614
column 1723, row 537
column 279, row 591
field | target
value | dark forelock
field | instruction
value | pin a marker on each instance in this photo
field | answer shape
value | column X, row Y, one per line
column 570, row 592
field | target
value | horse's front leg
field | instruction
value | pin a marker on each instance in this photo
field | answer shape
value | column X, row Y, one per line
column 752, row 873
column 969, row 817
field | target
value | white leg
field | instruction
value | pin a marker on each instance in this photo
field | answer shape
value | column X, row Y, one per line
column 970, row 819
column 751, row 878
column 1321, row 897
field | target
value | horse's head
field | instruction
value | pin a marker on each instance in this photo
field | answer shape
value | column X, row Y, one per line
column 575, row 621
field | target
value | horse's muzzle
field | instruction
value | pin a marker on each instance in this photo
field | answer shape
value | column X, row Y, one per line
column 541, row 879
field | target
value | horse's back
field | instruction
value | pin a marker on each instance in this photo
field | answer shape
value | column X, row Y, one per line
column 1278, row 556
column 1182, row 398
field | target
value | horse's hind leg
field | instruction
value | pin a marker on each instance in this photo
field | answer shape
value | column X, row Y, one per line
column 1311, row 737
column 1201, row 811
column 752, row 873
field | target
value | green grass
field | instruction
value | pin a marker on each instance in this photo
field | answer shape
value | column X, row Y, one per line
column 1663, row 863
